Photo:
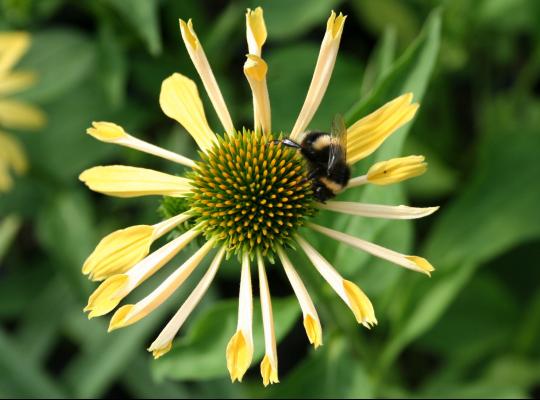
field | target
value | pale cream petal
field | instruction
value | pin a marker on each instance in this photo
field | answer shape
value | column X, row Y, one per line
column 16, row 82
column 348, row 291
column 111, row 291
column 198, row 57
column 239, row 352
column 125, row 181
column 411, row 262
column 119, row 251
column 163, row 342
column 357, row 181
column 377, row 210
column 396, row 170
column 368, row 133
column 312, row 324
column 321, row 75
column 111, row 133
column 269, row 365
column 12, row 47
column 255, row 70
column 179, row 100
column 131, row 313
column 19, row 115
column 255, row 30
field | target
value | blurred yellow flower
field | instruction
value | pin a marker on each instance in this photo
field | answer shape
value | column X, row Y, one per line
column 247, row 195
column 14, row 114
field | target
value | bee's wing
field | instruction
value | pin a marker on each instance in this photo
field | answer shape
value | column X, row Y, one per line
column 338, row 149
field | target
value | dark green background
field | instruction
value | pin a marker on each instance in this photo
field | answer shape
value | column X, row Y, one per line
column 471, row 330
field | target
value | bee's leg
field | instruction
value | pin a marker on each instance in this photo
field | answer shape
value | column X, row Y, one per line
column 288, row 143
column 314, row 173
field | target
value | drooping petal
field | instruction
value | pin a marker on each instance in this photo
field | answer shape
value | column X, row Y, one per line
column 15, row 82
column 12, row 47
column 414, row 263
column 255, row 70
column 131, row 313
column 111, row 291
column 111, row 133
column 312, row 325
column 322, row 73
column 19, row 115
column 396, row 170
column 198, row 57
column 269, row 364
column 163, row 342
column 239, row 351
column 179, row 100
column 377, row 210
column 119, row 251
column 255, row 30
column 126, row 181
column 351, row 294
column 368, row 133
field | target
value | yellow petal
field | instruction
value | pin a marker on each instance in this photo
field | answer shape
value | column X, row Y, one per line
column 144, row 307
column 313, row 330
column 106, row 131
column 15, row 82
column 321, row 75
column 107, row 296
column 161, row 351
column 12, row 46
column 125, row 181
column 255, row 69
column 163, row 342
column 11, row 154
column 368, row 133
column 198, row 57
column 239, row 355
column 6, row 183
column 119, row 251
column 19, row 115
column 255, row 30
column 360, row 304
column 396, row 170
column 179, row 100
column 119, row 317
column 269, row 371
column 111, row 133
column 422, row 264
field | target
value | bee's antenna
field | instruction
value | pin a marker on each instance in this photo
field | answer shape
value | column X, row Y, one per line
column 288, row 143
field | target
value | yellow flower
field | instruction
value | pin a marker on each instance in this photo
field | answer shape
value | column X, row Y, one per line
column 14, row 114
column 247, row 195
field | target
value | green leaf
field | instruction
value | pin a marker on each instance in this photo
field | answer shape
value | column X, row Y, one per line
column 376, row 15
column 113, row 65
column 200, row 354
column 61, row 58
column 68, row 217
column 29, row 378
column 380, row 61
column 487, row 219
column 328, row 372
column 142, row 15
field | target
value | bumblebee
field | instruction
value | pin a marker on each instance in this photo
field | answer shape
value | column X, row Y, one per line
column 326, row 154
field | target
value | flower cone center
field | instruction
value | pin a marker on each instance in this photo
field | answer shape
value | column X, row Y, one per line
column 250, row 192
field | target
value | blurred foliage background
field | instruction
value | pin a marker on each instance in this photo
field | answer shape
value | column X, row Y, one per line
column 472, row 330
